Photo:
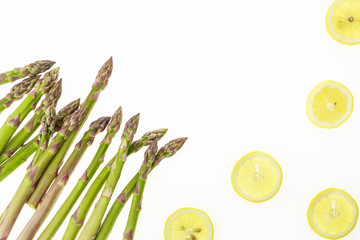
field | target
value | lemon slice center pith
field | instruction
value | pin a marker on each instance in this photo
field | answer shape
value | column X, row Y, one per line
column 256, row 177
column 190, row 233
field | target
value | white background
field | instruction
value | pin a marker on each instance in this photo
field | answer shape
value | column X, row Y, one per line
column 233, row 76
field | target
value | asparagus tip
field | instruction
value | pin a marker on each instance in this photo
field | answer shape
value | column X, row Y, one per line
column 170, row 149
column 98, row 126
column 104, row 74
column 115, row 122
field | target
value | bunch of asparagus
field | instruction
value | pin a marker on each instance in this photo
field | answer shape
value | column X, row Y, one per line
column 46, row 175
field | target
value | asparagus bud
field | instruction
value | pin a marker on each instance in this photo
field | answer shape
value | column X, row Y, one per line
column 29, row 70
column 147, row 139
column 113, row 126
column 169, row 149
column 66, row 111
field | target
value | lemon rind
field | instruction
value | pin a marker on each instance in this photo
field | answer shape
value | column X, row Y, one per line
column 313, row 202
column 235, row 168
column 194, row 210
column 312, row 94
column 332, row 33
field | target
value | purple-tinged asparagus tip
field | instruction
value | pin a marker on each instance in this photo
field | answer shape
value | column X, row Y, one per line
column 77, row 117
column 103, row 76
column 169, row 149
column 98, row 126
column 39, row 66
column 115, row 121
column 131, row 127
column 150, row 153
column 65, row 112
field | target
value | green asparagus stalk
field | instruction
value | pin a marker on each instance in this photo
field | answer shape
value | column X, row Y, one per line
column 52, row 170
column 63, row 211
column 16, row 118
column 35, row 171
column 94, row 222
column 29, row 70
column 18, row 158
column 18, row 91
column 51, row 99
column 59, row 183
column 165, row 152
column 78, row 218
column 25, row 152
column 138, row 193
column 48, row 128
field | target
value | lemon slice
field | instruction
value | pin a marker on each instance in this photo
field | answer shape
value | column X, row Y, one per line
column 329, row 104
column 333, row 213
column 256, row 177
column 343, row 21
column 189, row 224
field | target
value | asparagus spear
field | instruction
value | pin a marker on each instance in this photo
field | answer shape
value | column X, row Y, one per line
column 138, row 193
column 15, row 119
column 48, row 128
column 165, row 152
column 56, row 188
column 51, row 99
column 112, row 129
column 34, row 172
column 21, row 156
column 51, row 171
column 18, row 91
column 18, row 158
column 94, row 222
column 29, row 70
column 78, row 217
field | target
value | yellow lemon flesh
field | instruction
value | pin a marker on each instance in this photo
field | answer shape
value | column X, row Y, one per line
column 343, row 21
column 329, row 104
column 333, row 213
column 256, row 177
column 189, row 224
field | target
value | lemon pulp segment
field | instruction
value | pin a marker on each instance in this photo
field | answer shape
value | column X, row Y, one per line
column 343, row 21
column 189, row 224
column 256, row 177
column 333, row 213
column 329, row 104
